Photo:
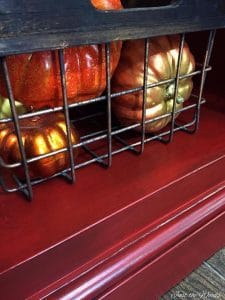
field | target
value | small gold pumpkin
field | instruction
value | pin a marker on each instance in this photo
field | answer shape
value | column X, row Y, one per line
column 40, row 135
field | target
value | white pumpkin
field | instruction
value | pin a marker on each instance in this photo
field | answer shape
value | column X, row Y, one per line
column 5, row 109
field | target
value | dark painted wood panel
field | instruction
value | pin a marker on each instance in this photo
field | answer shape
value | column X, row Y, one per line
column 33, row 25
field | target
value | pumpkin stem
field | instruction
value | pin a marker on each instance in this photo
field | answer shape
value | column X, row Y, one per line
column 170, row 90
column 179, row 100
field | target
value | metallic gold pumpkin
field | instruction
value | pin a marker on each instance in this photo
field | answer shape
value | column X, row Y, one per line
column 40, row 135
column 162, row 66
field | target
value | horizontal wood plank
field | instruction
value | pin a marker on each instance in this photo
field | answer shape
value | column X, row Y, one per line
column 33, row 26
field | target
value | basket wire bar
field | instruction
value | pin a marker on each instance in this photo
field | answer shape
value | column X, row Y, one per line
column 109, row 107
column 107, row 97
column 111, row 132
column 102, row 134
column 208, row 53
column 145, row 90
column 173, row 114
column 101, row 157
column 103, row 98
column 66, row 113
column 27, row 190
column 203, row 75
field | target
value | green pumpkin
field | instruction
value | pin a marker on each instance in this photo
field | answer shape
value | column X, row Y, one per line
column 5, row 110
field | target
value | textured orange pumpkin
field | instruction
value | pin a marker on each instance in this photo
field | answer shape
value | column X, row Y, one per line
column 35, row 77
column 162, row 65
column 40, row 135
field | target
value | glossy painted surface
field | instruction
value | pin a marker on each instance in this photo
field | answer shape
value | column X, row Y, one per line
column 35, row 77
column 162, row 65
column 160, row 274
column 41, row 135
column 80, row 226
column 127, row 275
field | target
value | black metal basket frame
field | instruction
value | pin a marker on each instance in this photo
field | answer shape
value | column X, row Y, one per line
column 143, row 30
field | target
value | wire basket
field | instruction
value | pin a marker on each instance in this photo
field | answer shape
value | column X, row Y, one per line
column 101, row 136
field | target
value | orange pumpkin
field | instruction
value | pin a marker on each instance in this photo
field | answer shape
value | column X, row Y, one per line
column 40, row 135
column 35, row 77
column 162, row 66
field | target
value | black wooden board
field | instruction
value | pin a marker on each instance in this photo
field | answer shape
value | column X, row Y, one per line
column 38, row 25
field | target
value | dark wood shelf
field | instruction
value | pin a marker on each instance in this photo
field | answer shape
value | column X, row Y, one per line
column 102, row 236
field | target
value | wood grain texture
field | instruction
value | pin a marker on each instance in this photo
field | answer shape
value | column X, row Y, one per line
column 217, row 262
column 79, row 23
column 202, row 283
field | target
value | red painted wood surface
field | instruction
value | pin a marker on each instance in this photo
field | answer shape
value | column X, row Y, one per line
column 98, row 219
column 125, row 224
column 151, row 281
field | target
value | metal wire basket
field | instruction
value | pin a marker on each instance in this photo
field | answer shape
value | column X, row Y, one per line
column 29, row 27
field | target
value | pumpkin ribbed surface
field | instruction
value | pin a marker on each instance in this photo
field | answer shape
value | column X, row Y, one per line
column 162, row 66
column 40, row 135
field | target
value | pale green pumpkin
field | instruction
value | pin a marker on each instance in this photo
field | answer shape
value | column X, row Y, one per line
column 5, row 110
